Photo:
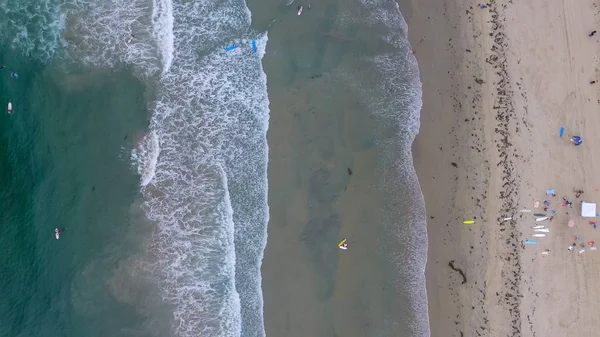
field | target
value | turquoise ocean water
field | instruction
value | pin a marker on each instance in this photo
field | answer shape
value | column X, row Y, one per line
column 139, row 134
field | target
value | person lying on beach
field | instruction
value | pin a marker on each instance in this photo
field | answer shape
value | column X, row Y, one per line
column 592, row 33
column 576, row 140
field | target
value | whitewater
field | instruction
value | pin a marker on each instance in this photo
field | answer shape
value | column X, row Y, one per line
column 203, row 162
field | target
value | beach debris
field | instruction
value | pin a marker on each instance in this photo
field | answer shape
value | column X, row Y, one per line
column 530, row 242
column 343, row 245
column 300, row 8
column 254, row 46
column 541, row 219
column 230, row 48
column 469, row 222
column 562, row 132
column 464, row 277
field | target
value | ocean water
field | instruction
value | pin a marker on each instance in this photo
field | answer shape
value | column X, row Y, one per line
column 136, row 131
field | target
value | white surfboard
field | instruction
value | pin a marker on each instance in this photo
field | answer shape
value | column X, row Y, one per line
column 539, row 235
column 526, row 210
column 542, row 218
column 540, row 226
column 9, row 107
column 543, row 230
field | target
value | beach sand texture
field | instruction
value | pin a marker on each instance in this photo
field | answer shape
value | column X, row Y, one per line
column 498, row 84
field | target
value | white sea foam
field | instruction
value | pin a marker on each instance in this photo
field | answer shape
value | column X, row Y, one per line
column 99, row 33
column 34, row 28
column 203, row 164
column 162, row 23
column 145, row 157
column 209, row 189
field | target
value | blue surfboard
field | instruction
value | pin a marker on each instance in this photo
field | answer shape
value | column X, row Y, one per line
column 230, row 48
column 531, row 242
column 254, row 45
column 562, row 132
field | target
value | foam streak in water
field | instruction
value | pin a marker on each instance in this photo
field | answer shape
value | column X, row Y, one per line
column 162, row 22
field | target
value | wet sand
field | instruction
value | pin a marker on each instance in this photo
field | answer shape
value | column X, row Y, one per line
column 498, row 84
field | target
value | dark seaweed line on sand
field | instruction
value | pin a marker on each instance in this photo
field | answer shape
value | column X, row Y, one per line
column 510, row 296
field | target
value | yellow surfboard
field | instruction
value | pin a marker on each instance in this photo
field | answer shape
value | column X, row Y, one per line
column 469, row 222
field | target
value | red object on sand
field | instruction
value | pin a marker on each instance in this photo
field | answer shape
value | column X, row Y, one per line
column 591, row 243
column 592, row 222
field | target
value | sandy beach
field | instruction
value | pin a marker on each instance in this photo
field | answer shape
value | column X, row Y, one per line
column 499, row 82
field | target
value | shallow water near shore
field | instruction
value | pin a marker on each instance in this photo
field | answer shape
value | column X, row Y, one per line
column 345, row 100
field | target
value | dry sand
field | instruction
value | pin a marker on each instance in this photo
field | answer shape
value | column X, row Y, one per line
column 498, row 84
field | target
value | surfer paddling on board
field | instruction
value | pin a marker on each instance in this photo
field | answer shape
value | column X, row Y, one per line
column 58, row 232
column 9, row 107
column 131, row 37
column 14, row 75
column 300, row 8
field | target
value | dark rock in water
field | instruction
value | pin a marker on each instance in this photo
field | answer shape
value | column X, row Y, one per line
column 349, row 172
column 454, row 164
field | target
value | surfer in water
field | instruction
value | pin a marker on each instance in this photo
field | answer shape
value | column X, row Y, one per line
column 14, row 75
column 58, row 232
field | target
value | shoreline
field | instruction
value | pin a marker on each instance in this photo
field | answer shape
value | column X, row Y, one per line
column 498, row 83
